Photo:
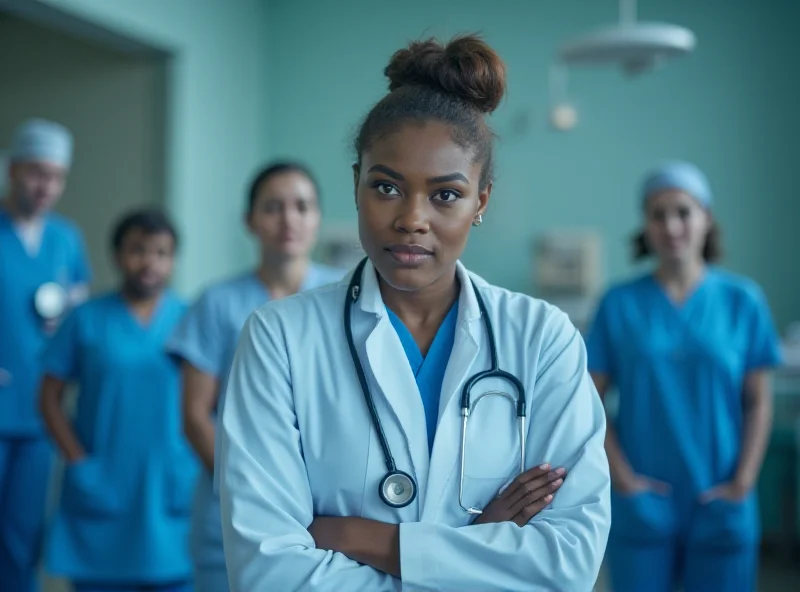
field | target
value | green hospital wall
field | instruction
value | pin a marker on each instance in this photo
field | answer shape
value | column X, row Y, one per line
column 216, row 114
column 729, row 107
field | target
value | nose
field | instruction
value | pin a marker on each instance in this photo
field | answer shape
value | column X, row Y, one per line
column 412, row 217
column 150, row 258
column 673, row 225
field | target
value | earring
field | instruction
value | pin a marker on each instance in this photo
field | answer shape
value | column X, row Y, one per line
column 478, row 220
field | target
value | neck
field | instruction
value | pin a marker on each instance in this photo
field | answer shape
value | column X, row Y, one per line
column 283, row 277
column 425, row 308
column 679, row 277
column 142, row 305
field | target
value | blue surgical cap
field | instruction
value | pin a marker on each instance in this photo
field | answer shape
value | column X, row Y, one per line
column 39, row 139
column 681, row 176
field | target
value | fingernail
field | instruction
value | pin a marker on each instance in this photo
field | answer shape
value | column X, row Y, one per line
column 548, row 497
column 560, row 471
column 545, row 466
column 557, row 482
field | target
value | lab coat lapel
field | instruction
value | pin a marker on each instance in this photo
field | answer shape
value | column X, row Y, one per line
column 466, row 347
column 396, row 382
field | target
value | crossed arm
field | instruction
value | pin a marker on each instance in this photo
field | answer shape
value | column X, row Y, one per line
column 272, row 538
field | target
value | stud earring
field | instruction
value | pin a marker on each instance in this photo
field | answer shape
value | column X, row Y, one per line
column 478, row 220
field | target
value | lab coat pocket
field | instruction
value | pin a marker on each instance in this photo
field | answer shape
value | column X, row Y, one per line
column 725, row 524
column 643, row 516
column 180, row 481
column 88, row 491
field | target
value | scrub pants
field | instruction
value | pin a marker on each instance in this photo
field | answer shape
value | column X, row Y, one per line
column 663, row 566
column 25, row 465
column 174, row 587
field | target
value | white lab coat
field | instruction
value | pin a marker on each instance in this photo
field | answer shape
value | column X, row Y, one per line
column 296, row 441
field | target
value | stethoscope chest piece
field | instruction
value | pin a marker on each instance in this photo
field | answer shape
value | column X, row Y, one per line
column 398, row 489
column 50, row 301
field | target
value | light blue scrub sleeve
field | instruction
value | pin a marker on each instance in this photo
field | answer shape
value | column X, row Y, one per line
column 199, row 339
column 599, row 349
column 60, row 358
column 765, row 345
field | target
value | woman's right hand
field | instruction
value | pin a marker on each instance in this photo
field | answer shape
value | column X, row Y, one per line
column 525, row 496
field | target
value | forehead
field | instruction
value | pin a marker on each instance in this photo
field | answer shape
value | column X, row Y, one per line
column 670, row 199
column 424, row 149
column 139, row 235
column 41, row 166
column 286, row 187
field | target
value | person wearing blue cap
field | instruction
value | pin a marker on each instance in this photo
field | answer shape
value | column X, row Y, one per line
column 688, row 348
column 44, row 269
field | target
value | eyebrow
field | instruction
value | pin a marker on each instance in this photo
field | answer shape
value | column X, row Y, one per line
column 379, row 168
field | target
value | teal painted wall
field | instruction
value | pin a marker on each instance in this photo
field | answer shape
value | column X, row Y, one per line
column 730, row 107
column 217, row 116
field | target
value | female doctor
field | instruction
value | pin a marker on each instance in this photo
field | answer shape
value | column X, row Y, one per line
column 340, row 445
column 688, row 346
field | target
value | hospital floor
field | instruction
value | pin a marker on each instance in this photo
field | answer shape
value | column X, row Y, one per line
column 777, row 575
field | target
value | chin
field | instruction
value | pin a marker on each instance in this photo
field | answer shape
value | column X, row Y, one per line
column 407, row 279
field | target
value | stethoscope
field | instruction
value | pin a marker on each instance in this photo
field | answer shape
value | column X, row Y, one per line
column 50, row 301
column 397, row 489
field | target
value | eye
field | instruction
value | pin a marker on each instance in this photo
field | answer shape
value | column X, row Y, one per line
column 386, row 189
column 447, row 196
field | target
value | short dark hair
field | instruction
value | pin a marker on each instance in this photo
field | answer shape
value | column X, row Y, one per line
column 455, row 84
column 272, row 170
column 712, row 248
column 150, row 221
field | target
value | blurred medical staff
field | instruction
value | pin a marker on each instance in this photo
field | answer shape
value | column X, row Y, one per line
column 43, row 270
column 122, row 521
column 283, row 214
column 688, row 347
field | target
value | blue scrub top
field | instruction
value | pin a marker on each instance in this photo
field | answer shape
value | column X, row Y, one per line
column 61, row 258
column 680, row 372
column 123, row 514
column 429, row 370
column 207, row 339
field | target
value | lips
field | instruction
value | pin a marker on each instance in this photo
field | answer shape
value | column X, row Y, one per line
column 409, row 255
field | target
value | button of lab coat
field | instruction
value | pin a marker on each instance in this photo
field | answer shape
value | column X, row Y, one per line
column 5, row 377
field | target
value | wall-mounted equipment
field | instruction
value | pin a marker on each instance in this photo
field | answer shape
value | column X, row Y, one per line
column 567, row 271
column 339, row 246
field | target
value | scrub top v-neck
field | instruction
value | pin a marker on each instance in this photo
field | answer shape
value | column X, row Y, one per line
column 429, row 370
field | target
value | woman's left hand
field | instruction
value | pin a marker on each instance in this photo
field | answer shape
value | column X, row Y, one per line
column 732, row 491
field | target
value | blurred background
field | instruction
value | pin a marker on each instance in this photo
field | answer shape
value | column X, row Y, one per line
column 177, row 102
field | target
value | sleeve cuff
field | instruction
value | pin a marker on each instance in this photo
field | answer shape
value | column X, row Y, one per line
column 418, row 566
column 195, row 357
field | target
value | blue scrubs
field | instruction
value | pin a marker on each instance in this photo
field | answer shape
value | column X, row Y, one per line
column 680, row 372
column 207, row 339
column 429, row 370
column 123, row 514
column 25, row 454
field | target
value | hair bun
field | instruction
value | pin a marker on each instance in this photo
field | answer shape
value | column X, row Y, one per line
column 466, row 68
